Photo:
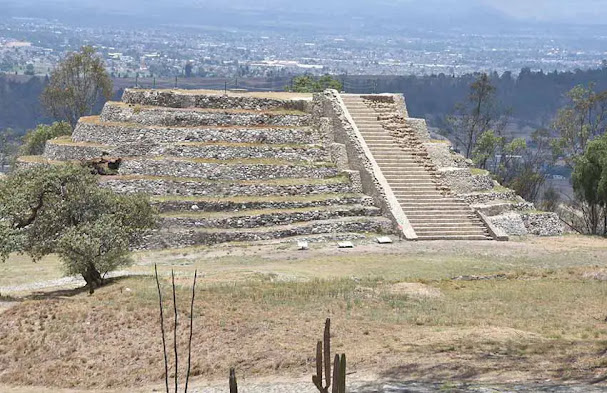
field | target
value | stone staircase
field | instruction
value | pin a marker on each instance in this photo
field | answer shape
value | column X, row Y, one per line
column 222, row 169
column 432, row 210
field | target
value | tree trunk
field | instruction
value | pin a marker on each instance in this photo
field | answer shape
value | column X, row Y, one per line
column 93, row 278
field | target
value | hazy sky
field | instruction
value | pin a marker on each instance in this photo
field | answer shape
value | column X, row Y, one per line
column 577, row 11
column 569, row 10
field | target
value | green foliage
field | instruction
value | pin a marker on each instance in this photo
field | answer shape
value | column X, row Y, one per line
column 519, row 167
column 76, row 86
column 35, row 140
column 487, row 147
column 310, row 84
column 590, row 182
column 62, row 210
column 582, row 120
column 8, row 147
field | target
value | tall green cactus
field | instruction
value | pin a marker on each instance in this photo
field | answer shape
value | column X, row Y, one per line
column 323, row 355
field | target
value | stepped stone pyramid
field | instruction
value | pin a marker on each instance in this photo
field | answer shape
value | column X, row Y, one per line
column 260, row 166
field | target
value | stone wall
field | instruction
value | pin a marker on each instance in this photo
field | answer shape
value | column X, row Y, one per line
column 189, row 99
column 179, row 239
column 121, row 113
column 64, row 151
column 524, row 224
column 89, row 130
column 279, row 217
column 231, row 205
column 461, row 180
column 194, row 187
column 220, row 170
column 443, row 156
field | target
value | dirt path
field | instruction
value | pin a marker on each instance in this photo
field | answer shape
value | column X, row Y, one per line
column 353, row 387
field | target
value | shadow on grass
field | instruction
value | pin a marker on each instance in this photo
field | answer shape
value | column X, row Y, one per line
column 66, row 293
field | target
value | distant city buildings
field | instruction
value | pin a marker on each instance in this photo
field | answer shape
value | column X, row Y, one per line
column 35, row 46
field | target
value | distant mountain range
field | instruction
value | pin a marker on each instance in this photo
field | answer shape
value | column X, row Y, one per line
column 379, row 15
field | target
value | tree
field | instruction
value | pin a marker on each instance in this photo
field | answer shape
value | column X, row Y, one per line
column 61, row 209
column 76, row 86
column 476, row 116
column 35, row 140
column 310, row 84
column 514, row 162
column 582, row 120
column 188, row 69
column 29, row 69
column 8, row 147
column 590, row 184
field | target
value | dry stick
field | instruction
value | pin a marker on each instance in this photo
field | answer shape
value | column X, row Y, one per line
column 187, row 376
column 175, row 332
column 164, row 346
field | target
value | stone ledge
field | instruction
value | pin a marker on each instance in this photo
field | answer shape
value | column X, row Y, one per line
column 63, row 151
column 264, row 218
column 197, row 187
column 223, row 170
column 186, row 238
column 169, row 204
column 160, row 116
column 462, row 181
column 193, row 99
column 112, row 133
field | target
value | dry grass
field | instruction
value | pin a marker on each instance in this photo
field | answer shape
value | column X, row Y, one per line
column 535, row 310
column 268, row 327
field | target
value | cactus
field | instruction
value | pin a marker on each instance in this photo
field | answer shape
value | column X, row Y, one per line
column 323, row 358
column 233, row 384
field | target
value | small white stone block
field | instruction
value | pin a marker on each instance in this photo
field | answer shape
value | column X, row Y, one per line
column 384, row 240
column 195, row 208
column 303, row 246
column 345, row 245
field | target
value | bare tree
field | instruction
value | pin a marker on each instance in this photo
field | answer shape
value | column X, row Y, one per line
column 477, row 115
column 76, row 86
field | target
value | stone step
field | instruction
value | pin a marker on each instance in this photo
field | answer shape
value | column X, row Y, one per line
column 395, row 157
column 92, row 129
column 422, row 205
column 439, row 220
column 240, row 169
column 427, row 198
column 195, row 237
column 155, row 115
column 176, row 186
column 264, row 218
column 451, row 233
column 407, row 198
column 447, row 227
column 166, row 204
column 411, row 170
column 410, row 208
column 409, row 188
column 410, row 174
column 453, row 237
column 66, row 149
